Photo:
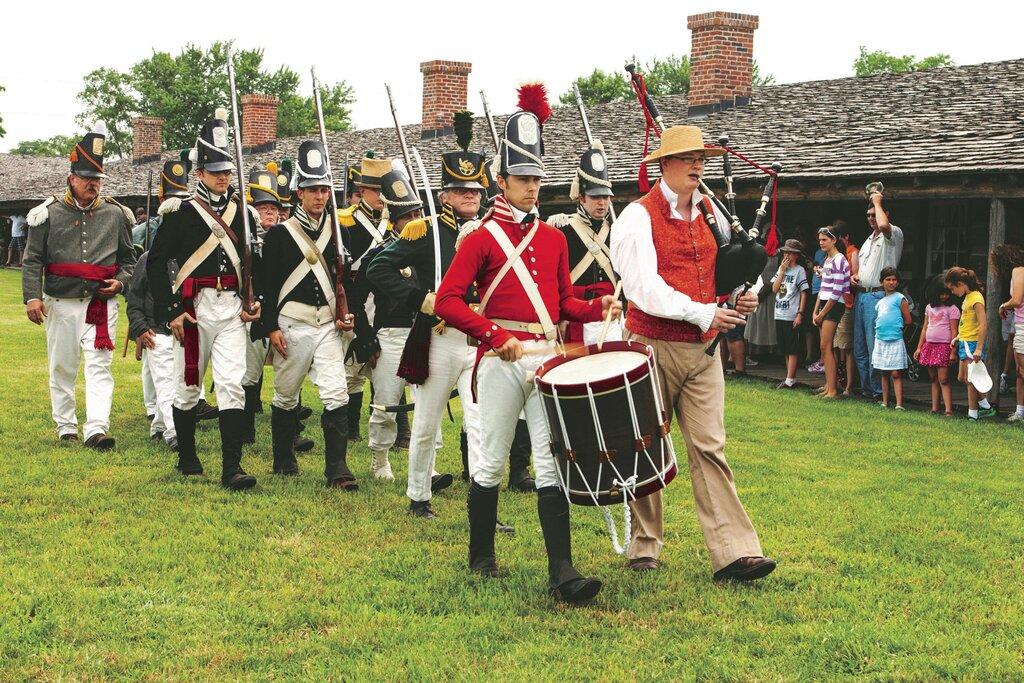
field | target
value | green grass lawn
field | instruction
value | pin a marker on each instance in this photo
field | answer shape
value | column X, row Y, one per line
column 899, row 540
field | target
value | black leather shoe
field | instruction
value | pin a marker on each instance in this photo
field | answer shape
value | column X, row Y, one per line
column 239, row 481
column 439, row 482
column 173, row 444
column 100, row 442
column 156, row 436
column 576, row 591
column 206, row 411
column 421, row 508
column 522, row 482
column 302, row 443
column 344, row 483
column 305, row 412
column 503, row 528
column 746, row 569
column 190, row 468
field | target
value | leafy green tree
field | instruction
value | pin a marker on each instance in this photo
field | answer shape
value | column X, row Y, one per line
column 57, row 146
column 882, row 62
column 185, row 89
column 668, row 76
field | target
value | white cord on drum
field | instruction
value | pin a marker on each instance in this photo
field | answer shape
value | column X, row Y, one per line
column 627, row 521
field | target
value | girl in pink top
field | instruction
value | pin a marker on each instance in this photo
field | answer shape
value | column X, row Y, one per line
column 1007, row 261
column 933, row 350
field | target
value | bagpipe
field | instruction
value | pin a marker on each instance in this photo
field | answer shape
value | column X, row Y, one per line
column 742, row 254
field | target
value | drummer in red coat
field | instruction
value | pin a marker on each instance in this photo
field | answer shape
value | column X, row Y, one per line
column 666, row 254
column 517, row 318
column 587, row 232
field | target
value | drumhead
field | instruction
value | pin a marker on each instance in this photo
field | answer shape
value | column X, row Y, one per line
column 595, row 367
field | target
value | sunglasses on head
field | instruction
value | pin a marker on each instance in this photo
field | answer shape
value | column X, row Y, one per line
column 827, row 232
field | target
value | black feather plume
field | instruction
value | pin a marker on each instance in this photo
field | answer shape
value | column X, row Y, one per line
column 462, row 121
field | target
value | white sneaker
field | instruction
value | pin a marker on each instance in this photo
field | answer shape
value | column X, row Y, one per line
column 380, row 466
column 1016, row 417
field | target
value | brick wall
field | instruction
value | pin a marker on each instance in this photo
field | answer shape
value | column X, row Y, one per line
column 445, row 91
column 147, row 138
column 721, row 60
column 259, row 121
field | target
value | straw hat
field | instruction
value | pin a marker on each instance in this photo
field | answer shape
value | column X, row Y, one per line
column 680, row 139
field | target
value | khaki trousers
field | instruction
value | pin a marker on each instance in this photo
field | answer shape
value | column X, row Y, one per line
column 693, row 385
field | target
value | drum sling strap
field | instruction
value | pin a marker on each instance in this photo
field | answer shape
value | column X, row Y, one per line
column 218, row 237
column 514, row 261
column 377, row 236
column 597, row 250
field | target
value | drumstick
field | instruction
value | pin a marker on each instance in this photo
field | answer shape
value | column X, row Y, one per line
column 608, row 317
column 526, row 352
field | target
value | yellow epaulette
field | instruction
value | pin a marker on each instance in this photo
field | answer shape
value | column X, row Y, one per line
column 346, row 217
column 127, row 212
column 414, row 230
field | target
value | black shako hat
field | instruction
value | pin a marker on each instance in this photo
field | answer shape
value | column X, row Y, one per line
column 285, row 171
column 592, row 174
column 312, row 165
column 397, row 195
column 263, row 185
column 174, row 176
column 463, row 169
column 87, row 156
column 212, row 150
column 521, row 148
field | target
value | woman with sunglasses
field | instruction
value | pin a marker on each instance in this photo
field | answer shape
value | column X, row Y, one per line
column 829, row 307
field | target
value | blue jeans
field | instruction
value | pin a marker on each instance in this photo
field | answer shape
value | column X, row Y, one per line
column 864, row 340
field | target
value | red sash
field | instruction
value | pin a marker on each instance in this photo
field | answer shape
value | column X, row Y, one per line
column 96, row 313
column 189, row 288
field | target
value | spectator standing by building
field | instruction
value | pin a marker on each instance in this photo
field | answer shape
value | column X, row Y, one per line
column 889, row 356
column 933, row 349
column 970, row 339
column 844, row 332
column 16, row 248
column 790, row 288
column 828, row 309
column 1007, row 260
column 882, row 248
column 812, row 334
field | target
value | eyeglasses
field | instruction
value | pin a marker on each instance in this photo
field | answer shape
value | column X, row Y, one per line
column 691, row 159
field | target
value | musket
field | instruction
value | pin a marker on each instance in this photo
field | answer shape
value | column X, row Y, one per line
column 248, row 300
column 590, row 136
column 490, row 122
column 341, row 314
column 401, row 141
column 149, row 199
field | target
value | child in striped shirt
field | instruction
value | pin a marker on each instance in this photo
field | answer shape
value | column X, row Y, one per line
column 829, row 308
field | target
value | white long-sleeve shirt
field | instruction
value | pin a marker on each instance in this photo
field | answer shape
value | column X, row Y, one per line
column 636, row 262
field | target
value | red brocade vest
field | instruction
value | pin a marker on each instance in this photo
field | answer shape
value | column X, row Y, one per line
column 686, row 261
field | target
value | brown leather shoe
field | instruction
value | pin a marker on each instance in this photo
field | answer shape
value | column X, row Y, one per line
column 343, row 483
column 69, row 437
column 644, row 564
column 746, row 569
column 100, row 442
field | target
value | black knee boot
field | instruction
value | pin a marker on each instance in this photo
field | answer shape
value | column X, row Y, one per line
column 300, row 443
column 519, row 478
column 335, row 426
column 282, row 430
column 353, row 411
column 402, row 421
column 252, row 397
column 185, row 426
column 483, row 515
column 232, row 475
column 564, row 581
column 464, row 445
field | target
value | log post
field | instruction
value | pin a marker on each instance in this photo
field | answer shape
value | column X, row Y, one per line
column 993, row 297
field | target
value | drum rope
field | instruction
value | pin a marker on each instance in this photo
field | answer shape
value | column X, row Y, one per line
column 565, row 439
column 627, row 521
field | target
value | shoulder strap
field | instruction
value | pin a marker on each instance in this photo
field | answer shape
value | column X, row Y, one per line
column 211, row 243
column 513, row 256
column 313, row 260
column 597, row 250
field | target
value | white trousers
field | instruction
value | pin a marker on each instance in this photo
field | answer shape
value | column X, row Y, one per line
column 68, row 339
column 315, row 351
column 503, row 391
column 388, row 387
column 356, row 373
column 255, row 356
column 158, row 371
column 148, row 388
column 222, row 340
column 451, row 364
column 592, row 332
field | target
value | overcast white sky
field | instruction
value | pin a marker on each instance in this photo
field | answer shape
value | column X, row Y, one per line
column 47, row 49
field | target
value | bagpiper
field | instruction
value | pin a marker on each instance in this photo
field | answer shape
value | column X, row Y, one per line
column 202, row 241
column 299, row 271
column 517, row 320
column 588, row 232
column 154, row 339
column 74, row 289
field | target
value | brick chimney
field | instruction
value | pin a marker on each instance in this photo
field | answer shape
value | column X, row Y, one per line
column 445, row 91
column 147, row 139
column 721, row 61
column 259, row 122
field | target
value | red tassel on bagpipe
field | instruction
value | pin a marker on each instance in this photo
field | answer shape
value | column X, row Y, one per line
column 642, row 180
